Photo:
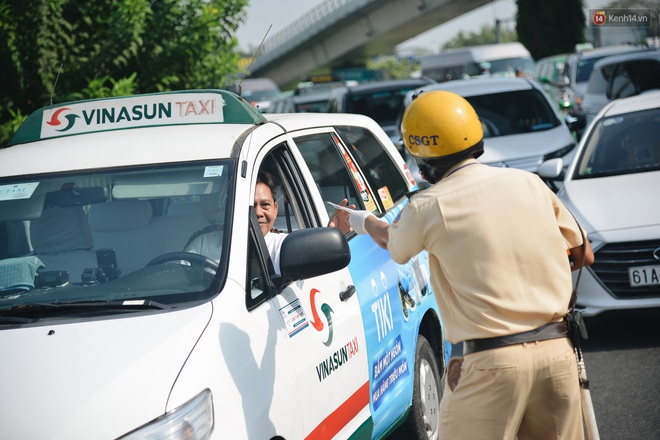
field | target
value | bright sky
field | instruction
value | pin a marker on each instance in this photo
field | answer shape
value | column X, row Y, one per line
column 261, row 14
column 279, row 13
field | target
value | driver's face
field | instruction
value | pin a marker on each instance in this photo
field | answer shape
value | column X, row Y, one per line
column 265, row 207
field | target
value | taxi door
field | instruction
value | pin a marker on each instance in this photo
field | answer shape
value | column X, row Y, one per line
column 352, row 163
column 321, row 318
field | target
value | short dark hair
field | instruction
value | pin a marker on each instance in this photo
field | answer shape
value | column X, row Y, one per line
column 268, row 179
column 434, row 169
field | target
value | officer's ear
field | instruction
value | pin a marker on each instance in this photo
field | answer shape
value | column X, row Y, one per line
column 423, row 174
column 427, row 172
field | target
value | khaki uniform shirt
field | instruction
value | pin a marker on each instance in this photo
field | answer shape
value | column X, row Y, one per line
column 497, row 240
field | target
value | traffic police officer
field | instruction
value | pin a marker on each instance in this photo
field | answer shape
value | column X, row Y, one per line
column 498, row 240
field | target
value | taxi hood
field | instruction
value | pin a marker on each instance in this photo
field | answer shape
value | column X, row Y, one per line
column 93, row 379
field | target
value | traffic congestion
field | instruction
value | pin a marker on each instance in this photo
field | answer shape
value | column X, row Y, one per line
column 438, row 255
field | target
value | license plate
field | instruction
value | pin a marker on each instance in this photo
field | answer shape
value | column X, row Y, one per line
column 644, row 275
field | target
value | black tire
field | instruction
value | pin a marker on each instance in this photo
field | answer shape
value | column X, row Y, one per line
column 423, row 419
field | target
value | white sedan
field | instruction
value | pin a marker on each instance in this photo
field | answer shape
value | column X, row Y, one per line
column 612, row 188
column 522, row 127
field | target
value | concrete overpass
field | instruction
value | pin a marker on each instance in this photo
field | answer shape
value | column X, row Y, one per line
column 346, row 33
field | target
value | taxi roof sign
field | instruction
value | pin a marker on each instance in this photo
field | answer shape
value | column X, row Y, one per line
column 138, row 111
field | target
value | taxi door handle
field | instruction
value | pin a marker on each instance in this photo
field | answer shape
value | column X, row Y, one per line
column 347, row 293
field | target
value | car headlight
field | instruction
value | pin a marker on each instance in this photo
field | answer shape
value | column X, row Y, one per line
column 191, row 421
column 559, row 153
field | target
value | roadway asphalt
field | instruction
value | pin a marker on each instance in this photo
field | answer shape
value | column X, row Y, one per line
column 622, row 359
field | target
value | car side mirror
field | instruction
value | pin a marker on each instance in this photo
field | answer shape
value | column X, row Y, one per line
column 312, row 252
column 551, row 169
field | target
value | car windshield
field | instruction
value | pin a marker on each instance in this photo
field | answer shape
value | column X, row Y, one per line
column 384, row 107
column 585, row 67
column 621, row 144
column 312, row 106
column 508, row 66
column 259, row 95
column 125, row 236
column 517, row 112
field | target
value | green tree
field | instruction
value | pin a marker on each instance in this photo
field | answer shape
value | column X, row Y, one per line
column 62, row 50
column 395, row 67
column 550, row 27
column 653, row 5
column 487, row 35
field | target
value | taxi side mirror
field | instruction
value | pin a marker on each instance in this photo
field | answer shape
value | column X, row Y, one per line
column 312, row 252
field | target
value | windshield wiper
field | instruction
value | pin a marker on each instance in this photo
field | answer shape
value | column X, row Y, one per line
column 39, row 310
column 15, row 320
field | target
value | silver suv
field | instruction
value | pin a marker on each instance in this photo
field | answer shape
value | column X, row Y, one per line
column 621, row 76
column 578, row 68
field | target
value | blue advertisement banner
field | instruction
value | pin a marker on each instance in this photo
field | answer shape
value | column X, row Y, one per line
column 393, row 298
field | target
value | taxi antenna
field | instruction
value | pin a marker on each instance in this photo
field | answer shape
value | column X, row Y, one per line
column 254, row 57
column 52, row 92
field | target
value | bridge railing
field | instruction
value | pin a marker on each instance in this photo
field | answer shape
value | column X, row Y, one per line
column 307, row 26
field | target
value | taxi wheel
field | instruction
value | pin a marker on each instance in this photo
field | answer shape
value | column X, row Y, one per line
column 424, row 417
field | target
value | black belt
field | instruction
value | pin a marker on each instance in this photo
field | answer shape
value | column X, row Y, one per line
column 552, row 330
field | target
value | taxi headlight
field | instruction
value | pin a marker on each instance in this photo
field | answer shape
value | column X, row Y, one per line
column 191, row 421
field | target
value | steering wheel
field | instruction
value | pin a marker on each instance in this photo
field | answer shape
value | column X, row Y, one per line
column 192, row 258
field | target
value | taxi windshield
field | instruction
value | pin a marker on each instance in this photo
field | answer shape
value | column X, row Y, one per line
column 130, row 236
column 384, row 107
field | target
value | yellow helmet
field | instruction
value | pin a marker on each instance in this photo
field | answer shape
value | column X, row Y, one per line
column 440, row 123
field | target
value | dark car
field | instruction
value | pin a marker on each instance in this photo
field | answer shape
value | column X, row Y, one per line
column 308, row 97
column 287, row 102
column 382, row 101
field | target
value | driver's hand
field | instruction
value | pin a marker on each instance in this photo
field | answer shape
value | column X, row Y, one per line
column 339, row 219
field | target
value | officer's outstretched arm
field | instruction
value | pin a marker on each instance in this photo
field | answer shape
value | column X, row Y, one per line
column 364, row 222
column 379, row 230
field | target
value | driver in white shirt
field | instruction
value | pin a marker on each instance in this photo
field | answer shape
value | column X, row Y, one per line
column 265, row 208
column 209, row 241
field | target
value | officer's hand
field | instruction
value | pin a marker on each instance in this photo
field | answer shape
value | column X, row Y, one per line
column 357, row 220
